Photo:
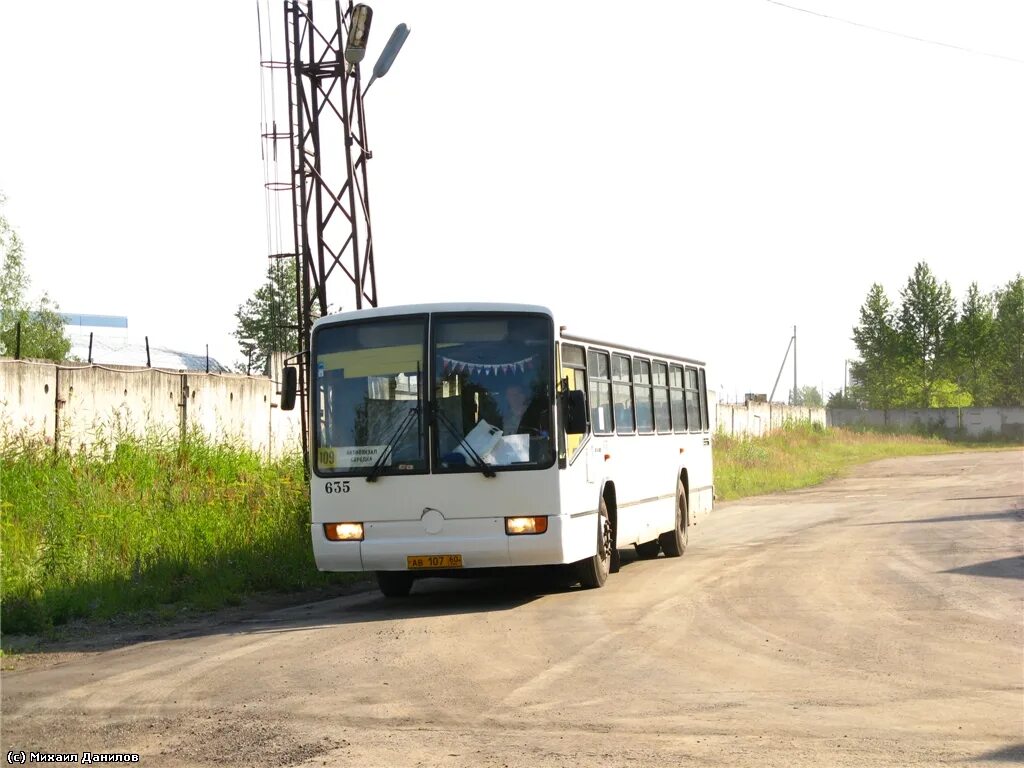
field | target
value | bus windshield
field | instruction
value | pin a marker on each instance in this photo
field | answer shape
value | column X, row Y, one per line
column 368, row 399
column 493, row 390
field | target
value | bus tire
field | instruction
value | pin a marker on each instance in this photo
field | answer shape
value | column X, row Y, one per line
column 594, row 570
column 394, row 583
column 673, row 543
column 648, row 550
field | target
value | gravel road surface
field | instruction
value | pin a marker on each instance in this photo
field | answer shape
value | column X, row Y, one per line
column 873, row 620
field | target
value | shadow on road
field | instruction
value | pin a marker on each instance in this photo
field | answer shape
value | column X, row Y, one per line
column 1007, row 515
column 982, row 498
column 1012, row 754
column 1007, row 568
column 475, row 592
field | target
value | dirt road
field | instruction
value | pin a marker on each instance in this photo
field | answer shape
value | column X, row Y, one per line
column 875, row 620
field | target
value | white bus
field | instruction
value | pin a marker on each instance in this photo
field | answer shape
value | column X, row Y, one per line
column 450, row 437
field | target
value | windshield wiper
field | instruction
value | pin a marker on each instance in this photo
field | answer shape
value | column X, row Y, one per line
column 378, row 465
column 482, row 465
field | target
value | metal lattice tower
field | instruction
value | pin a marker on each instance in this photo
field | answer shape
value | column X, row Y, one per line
column 333, row 238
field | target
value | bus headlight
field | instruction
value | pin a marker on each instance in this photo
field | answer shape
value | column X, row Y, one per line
column 525, row 525
column 344, row 531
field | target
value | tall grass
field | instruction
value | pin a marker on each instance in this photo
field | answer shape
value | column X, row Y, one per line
column 145, row 524
column 157, row 524
column 803, row 454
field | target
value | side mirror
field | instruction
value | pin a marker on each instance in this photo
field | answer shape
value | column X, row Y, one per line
column 575, row 412
column 289, row 386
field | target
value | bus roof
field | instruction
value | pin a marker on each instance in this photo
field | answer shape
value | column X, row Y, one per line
column 627, row 348
column 420, row 309
column 470, row 306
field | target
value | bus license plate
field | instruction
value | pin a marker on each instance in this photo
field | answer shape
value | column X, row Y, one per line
column 417, row 562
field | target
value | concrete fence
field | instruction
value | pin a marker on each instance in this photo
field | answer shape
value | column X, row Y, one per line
column 74, row 407
column 752, row 419
column 1005, row 422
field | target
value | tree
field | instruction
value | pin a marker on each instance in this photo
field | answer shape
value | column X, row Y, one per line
column 807, row 396
column 1008, row 370
column 925, row 328
column 42, row 330
column 839, row 399
column 974, row 346
column 266, row 321
column 878, row 375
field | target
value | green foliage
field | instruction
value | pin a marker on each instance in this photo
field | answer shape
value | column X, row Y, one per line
column 148, row 524
column 42, row 332
column 1008, row 370
column 848, row 399
column 807, row 396
column 974, row 347
column 925, row 327
column 928, row 355
column 879, row 374
column 264, row 319
column 949, row 394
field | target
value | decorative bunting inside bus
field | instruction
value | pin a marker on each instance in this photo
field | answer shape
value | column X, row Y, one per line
column 515, row 366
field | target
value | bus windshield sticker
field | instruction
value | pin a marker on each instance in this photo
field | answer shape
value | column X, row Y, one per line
column 352, row 456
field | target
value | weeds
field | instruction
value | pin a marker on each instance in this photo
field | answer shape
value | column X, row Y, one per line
column 801, row 454
column 144, row 524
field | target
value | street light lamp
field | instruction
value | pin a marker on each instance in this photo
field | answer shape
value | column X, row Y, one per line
column 387, row 56
column 358, row 34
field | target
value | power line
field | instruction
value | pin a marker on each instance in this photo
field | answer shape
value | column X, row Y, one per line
column 897, row 34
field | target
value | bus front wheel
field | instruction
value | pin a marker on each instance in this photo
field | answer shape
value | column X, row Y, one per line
column 394, row 583
column 594, row 570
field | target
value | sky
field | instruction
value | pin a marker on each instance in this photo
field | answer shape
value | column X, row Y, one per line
column 695, row 177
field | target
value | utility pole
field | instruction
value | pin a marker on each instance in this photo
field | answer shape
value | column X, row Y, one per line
column 327, row 142
column 792, row 343
column 794, row 366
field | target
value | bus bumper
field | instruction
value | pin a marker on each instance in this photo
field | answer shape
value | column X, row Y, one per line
column 482, row 542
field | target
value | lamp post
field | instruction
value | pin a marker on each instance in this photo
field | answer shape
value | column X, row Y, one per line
column 331, row 225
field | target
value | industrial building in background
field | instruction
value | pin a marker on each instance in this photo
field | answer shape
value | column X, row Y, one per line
column 104, row 340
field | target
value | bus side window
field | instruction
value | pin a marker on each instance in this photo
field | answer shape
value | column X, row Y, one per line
column 704, row 401
column 692, row 401
column 622, row 394
column 599, row 374
column 675, row 398
column 662, row 418
column 574, row 371
column 644, row 399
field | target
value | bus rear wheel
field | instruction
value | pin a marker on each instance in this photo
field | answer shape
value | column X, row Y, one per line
column 594, row 570
column 394, row 583
column 673, row 543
